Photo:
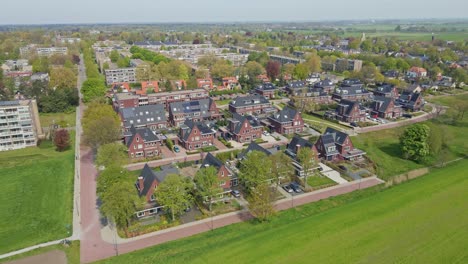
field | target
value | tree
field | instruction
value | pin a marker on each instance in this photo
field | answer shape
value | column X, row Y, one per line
column 261, row 201
column 207, row 182
column 366, row 45
column 306, row 158
column 301, row 71
column 93, row 88
column 314, row 63
column 398, row 28
column 101, row 125
column 173, row 194
column 118, row 203
column 460, row 75
column 114, row 56
column 254, row 69
column 288, row 69
column 255, row 170
column 273, row 69
column 110, row 176
column 123, row 62
column 112, row 154
column 62, row 139
column 413, row 142
column 281, row 166
column 221, row 69
column 62, row 78
column 260, row 57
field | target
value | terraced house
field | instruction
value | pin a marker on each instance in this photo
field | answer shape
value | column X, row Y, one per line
column 244, row 128
column 287, row 121
column 195, row 135
column 142, row 143
column 149, row 116
column 251, row 105
column 196, row 111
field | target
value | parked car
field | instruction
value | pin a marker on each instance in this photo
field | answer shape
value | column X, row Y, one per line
column 296, row 188
column 176, row 149
column 342, row 167
column 354, row 124
column 407, row 115
column 235, row 193
column 320, row 169
column 266, row 133
column 287, row 188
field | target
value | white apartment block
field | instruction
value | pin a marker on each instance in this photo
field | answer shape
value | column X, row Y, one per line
column 43, row 52
column 120, row 75
column 19, row 124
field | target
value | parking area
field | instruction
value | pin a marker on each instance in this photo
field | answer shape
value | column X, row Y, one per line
column 332, row 174
column 166, row 153
column 287, row 190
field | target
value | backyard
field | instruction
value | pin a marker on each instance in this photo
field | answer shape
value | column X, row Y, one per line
column 421, row 221
column 36, row 195
column 47, row 119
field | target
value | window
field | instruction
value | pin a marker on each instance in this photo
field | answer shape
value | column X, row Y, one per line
column 222, row 173
column 140, row 214
column 137, row 139
column 152, row 198
column 222, row 183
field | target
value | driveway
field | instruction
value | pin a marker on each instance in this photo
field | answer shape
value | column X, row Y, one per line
column 218, row 144
column 332, row 174
column 269, row 139
column 166, row 153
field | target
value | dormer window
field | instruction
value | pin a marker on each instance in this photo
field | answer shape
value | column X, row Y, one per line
column 137, row 139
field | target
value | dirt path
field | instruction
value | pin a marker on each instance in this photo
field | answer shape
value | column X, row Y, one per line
column 51, row 257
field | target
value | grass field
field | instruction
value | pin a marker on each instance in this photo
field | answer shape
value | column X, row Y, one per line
column 223, row 102
column 72, row 252
column 36, row 196
column 422, row 221
column 49, row 118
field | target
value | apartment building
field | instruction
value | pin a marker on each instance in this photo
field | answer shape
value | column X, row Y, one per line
column 19, row 124
column 120, row 75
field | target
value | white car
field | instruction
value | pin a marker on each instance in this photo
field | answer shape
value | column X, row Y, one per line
column 266, row 133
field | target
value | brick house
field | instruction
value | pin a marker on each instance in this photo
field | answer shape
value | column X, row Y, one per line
column 244, row 128
column 150, row 86
column 267, row 90
column 353, row 93
column 386, row 90
column 125, row 100
column 197, row 111
column 287, row 121
column 206, row 83
column 334, row 145
column 230, row 83
column 293, row 148
column 386, row 107
column 194, row 135
column 416, row 72
column 255, row 147
column 327, row 85
column 142, row 143
column 150, row 116
column 227, row 178
column 251, row 105
column 411, row 101
column 350, row 111
column 146, row 184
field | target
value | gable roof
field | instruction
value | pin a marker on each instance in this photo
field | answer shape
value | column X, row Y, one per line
column 266, row 87
column 348, row 105
column 149, row 176
column 249, row 100
column 351, row 90
column 144, row 132
column 238, row 120
column 381, row 103
column 338, row 136
column 211, row 160
column 189, row 125
column 295, row 141
column 255, row 147
column 143, row 115
column 189, row 107
column 285, row 115
column 296, row 85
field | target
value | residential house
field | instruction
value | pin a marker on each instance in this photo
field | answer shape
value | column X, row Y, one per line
column 197, row 111
column 297, row 88
column 194, row 135
column 392, row 74
column 148, row 87
column 120, row 87
column 353, row 93
column 327, row 85
column 206, row 83
column 386, row 107
column 263, row 77
column 230, row 83
column 287, row 121
column 292, row 150
column 227, row 178
column 267, row 90
column 334, row 145
column 179, row 84
column 350, row 111
column 147, row 183
column 142, row 143
column 251, row 105
column 386, row 90
column 255, row 147
column 150, row 116
column 411, row 101
column 416, row 72
column 244, row 128
column 313, row 78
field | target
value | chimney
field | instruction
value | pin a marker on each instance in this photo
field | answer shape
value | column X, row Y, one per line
column 298, row 147
column 140, row 183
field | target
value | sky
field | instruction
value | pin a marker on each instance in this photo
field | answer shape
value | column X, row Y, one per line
column 157, row 11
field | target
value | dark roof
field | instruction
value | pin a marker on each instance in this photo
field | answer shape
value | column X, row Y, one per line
column 188, row 126
column 266, row 87
column 351, row 90
column 324, row 83
column 149, row 176
column 338, row 136
column 255, row 147
column 249, row 100
column 381, row 103
column 352, row 82
column 296, row 85
column 143, row 115
column 348, row 105
column 329, row 141
column 238, row 120
column 295, row 141
column 9, row 103
column 385, row 88
column 144, row 132
column 285, row 115
column 211, row 160
column 202, row 106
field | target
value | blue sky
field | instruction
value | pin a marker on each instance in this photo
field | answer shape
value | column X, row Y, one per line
column 134, row 11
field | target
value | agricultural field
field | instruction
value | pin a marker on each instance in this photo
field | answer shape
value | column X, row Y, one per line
column 36, row 195
column 421, row 221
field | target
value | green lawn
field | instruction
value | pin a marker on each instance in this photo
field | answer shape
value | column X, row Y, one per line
column 223, row 102
column 318, row 182
column 317, row 122
column 36, row 196
column 49, row 118
column 72, row 252
column 421, row 221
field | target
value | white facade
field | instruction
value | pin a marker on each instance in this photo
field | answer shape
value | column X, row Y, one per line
column 18, row 124
column 121, row 75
